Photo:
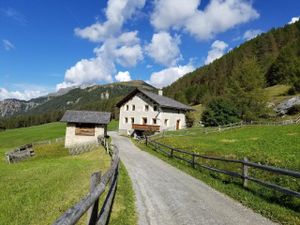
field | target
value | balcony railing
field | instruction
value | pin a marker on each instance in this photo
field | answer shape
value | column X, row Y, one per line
column 145, row 127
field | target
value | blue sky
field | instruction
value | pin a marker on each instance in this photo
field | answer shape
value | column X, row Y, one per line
column 51, row 44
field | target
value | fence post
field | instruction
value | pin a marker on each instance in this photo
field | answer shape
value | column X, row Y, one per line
column 146, row 142
column 93, row 211
column 171, row 153
column 193, row 160
column 107, row 147
column 245, row 173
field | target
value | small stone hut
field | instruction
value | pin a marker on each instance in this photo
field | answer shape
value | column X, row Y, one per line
column 84, row 127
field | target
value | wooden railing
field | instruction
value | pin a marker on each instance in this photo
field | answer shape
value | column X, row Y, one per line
column 145, row 127
column 191, row 159
column 90, row 202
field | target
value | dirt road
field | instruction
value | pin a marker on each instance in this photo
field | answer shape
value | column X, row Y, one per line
column 167, row 196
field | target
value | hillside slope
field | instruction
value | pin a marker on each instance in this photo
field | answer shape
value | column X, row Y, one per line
column 50, row 108
column 277, row 53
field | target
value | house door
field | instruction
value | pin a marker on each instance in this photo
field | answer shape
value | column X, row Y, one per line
column 177, row 124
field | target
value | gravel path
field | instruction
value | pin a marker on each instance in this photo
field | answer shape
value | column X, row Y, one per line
column 167, row 196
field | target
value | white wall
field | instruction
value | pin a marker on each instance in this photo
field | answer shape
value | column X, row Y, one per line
column 72, row 140
column 140, row 101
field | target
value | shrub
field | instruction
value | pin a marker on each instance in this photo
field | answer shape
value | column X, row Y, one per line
column 190, row 119
column 295, row 109
column 220, row 111
column 295, row 88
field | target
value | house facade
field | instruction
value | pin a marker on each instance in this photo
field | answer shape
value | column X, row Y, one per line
column 146, row 111
column 84, row 127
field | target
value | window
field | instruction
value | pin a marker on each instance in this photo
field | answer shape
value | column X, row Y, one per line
column 146, row 108
column 155, row 108
column 133, row 107
column 154, row 121
column 126, row 120
column 166, row 122
column 127, row 107
column 145, row 120
column 85, row 129
column 132, row 120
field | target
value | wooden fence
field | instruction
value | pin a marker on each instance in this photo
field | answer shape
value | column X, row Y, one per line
column 90, row 203
column 191, row 159
column 208, row 130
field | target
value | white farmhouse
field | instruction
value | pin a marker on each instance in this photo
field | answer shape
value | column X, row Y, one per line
column 84, row 127
column 146, row 111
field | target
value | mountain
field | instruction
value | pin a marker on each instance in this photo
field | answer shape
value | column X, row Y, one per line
column 276, row 52
column 18, row 113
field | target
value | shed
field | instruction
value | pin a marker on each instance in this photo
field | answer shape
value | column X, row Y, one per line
column 84, row 127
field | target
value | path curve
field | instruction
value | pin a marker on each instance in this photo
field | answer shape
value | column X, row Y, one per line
column 167, row 196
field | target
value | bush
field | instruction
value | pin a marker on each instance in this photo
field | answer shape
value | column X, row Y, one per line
column 220, row 112
column 295, row 109
column 190, row 119
column 295, row 88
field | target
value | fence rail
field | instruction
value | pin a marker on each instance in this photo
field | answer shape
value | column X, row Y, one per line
column 245, row 165
column 89, row 203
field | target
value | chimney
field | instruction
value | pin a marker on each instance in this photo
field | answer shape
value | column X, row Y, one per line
column 160, row 92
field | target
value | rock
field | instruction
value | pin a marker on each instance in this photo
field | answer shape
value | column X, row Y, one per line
column 284, row 106
column 9, row 107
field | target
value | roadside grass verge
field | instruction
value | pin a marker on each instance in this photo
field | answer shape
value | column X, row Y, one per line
column 277, row 146
column 123, row 211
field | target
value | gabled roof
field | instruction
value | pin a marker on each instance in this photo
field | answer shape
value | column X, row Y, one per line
column 162, row 101
column 72, row 116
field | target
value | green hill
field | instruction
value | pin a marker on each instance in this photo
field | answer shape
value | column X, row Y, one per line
column 50, row 109
column 276, row 52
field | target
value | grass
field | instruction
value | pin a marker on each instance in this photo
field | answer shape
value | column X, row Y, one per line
column 16, row 137
column 277, row 146
column 40, row 189
column 123, row 211
column 113, row 125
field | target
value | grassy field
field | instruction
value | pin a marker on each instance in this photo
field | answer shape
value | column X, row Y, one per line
column 39, row 190
column 277, row 146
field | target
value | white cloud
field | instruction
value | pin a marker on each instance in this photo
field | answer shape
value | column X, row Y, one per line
column 294, row 20
column 164, row 49
column 250, row 34
column 167, row 76
column 117, row 12
column 218, row 49
column 7, row 45
column 172, row 13
column 218, row 16
column 22, row 95
column 114, row 47
column 123, row 76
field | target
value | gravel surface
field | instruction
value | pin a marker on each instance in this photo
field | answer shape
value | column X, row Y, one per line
column 167, row 196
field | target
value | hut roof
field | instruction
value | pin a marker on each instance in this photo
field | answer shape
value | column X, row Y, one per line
column 95, row 117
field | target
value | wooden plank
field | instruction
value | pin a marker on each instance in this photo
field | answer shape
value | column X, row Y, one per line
column 145, row 127
column 93, row 211
column 85, row 131
column 107, row 206
column 275, row 187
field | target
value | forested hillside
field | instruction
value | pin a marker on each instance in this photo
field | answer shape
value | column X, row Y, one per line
column 98, row 97
column 275, row 53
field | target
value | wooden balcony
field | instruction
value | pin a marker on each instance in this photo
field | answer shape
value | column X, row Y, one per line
column 145, row 127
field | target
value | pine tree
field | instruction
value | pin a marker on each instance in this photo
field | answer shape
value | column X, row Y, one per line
column 245, row 89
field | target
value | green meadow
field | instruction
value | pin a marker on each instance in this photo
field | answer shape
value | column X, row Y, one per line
column 271, row 145
column 40, row 189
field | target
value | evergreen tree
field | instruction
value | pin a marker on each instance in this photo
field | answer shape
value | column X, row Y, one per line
column 245, row 89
